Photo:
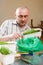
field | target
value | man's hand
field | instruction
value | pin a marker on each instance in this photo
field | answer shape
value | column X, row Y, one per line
column 16, row 36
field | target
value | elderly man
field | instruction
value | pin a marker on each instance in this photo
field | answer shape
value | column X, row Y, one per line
column 12, row 29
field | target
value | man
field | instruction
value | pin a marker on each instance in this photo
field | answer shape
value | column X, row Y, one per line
column 12, row 29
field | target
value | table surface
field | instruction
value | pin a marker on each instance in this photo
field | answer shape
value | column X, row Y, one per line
column 38, row 60
column 20, row 62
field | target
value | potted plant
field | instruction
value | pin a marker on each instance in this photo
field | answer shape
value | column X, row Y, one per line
column 7, row 53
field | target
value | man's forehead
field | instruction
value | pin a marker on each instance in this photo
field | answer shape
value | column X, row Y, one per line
column 21, row 11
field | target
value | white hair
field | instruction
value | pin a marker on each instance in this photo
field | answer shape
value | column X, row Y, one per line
column 17, row 10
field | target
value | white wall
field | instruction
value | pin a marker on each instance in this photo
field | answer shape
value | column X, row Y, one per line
column 7, row 8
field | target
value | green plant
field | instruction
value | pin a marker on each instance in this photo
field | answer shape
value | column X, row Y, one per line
column 30, row 31
column 4, row 51
column 2, row 43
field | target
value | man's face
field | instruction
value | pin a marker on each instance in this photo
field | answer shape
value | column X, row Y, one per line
column 22, row 16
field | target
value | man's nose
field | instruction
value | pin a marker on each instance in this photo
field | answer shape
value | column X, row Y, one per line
column 23, row 18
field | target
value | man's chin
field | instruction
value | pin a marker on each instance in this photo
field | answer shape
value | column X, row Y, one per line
column 22, row 25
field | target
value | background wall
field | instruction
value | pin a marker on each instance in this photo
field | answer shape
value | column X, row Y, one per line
column 7, row 8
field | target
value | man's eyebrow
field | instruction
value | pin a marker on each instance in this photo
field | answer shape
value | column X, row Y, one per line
column 22, row 15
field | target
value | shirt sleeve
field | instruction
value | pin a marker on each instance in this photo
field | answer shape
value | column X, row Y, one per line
column 4, row 28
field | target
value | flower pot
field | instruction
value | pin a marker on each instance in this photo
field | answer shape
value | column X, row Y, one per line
column 9, row 58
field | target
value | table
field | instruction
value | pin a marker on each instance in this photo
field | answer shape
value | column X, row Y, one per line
column 20, row 62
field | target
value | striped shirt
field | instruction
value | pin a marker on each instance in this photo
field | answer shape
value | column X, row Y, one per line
column 10, row 26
